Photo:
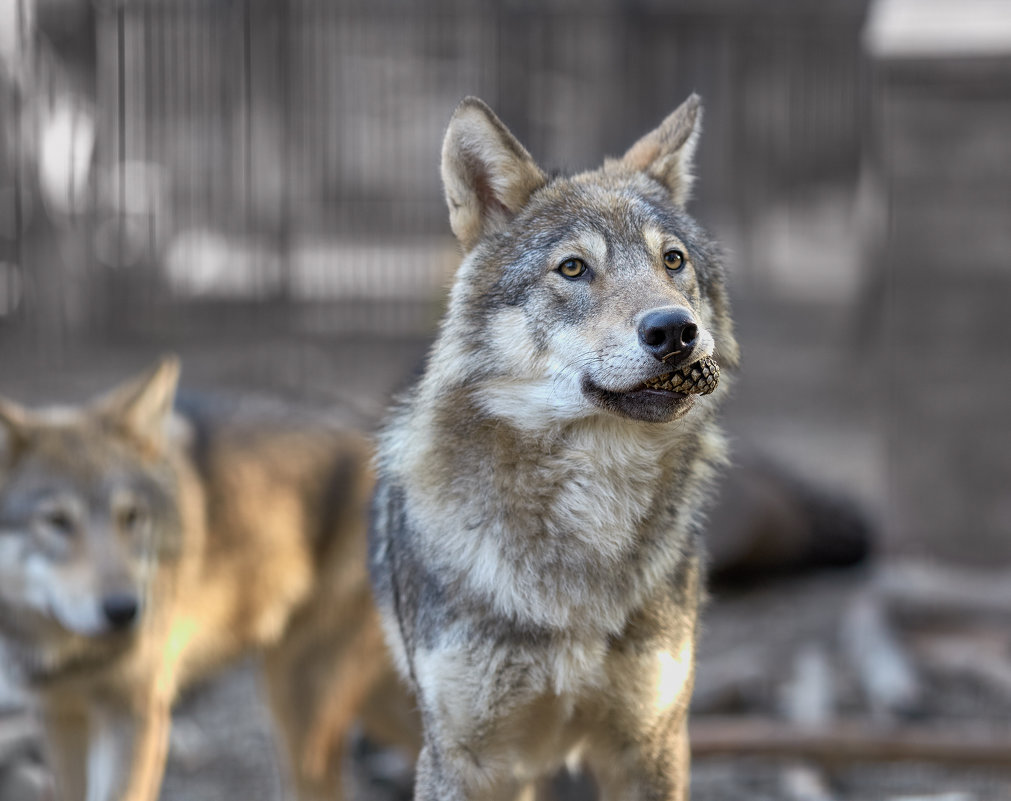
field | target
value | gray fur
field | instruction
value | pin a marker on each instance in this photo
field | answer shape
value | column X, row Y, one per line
column 535, row 540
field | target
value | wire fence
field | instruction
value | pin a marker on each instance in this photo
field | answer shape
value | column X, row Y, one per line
column 231, row 151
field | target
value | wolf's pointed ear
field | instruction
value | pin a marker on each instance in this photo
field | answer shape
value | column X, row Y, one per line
column 487, row 174
column 14, row 425
column 666, row 153
column 143, row 405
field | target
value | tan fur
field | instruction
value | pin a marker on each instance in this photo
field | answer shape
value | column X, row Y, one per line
column 248, row 567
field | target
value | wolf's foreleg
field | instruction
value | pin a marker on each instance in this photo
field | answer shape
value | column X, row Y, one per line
column 109, row 735
column 66, row 735
column 146, row 718
column 150, row 751
column 460, row 777
column 655, row 768
column 126, row 753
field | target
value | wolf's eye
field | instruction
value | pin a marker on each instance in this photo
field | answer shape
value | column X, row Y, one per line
column 572, row 268
column 674, row 260
column 131, row 517
column 59, row 521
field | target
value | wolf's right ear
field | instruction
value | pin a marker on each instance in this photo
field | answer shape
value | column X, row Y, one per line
column 142, row 407
column 487, row 174
column 14, row 424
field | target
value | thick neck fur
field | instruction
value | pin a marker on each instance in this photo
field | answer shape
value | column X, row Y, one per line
column 570, row 525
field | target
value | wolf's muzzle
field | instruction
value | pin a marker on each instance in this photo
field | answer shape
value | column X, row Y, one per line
column 668, row 332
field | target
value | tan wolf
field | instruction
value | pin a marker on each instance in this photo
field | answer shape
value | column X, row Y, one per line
column 142, row 547
column 535, row 540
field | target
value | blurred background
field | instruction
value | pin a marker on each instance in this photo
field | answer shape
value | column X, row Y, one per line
column 254, row 185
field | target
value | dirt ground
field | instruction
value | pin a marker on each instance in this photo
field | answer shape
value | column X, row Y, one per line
column 222, row 746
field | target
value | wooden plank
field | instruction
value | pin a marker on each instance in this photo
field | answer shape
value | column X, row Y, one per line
column 851, row 741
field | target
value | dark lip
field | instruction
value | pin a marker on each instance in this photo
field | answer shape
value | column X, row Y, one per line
column 640, row 403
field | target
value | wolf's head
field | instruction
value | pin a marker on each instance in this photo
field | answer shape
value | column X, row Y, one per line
column 87, row 497
column 578, row 295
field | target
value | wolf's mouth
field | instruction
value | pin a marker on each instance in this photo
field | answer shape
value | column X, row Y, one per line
column 660, row 399
column 698, row 378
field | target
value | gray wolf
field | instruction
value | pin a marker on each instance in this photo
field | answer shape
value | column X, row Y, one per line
column 144, row 546
column 535, row 546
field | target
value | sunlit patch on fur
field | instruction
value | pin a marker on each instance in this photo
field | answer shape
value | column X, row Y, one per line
column 674, row 671
column 179, row 638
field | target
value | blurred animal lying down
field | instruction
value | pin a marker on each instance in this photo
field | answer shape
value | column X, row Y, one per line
column 768, row 521
column 143, row 546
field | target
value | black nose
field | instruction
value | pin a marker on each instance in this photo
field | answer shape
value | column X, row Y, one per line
column 664, row 332
column 120, row 609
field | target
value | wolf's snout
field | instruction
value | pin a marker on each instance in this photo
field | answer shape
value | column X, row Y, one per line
column 665, row 332
column 120, row 609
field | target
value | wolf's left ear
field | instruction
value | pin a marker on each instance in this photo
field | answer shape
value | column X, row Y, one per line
column 667, row 152
column 143, row 405
column 487, row 174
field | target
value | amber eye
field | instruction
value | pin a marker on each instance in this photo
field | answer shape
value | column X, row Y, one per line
column 674, row 260
column 572, row 268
